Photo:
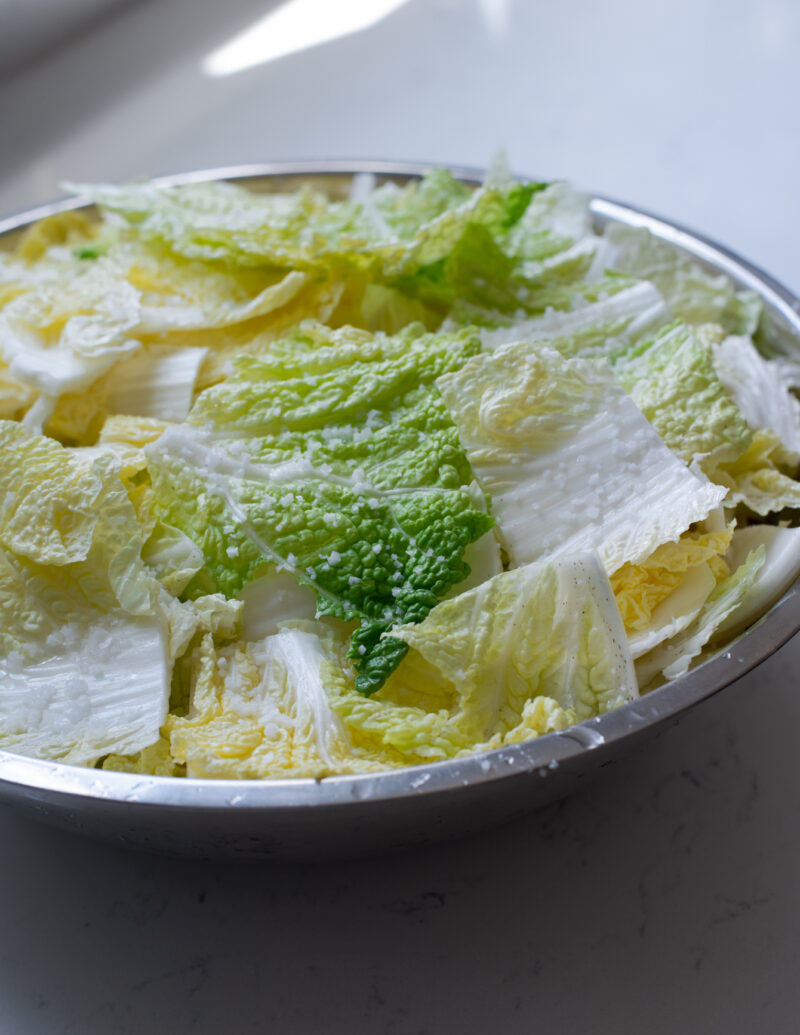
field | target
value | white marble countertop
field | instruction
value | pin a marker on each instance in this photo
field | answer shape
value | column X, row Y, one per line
column 663, row 897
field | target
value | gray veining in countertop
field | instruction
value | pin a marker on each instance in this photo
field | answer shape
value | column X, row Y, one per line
column 664, row 897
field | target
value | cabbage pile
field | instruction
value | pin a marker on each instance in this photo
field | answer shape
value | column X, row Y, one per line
column 293, row 486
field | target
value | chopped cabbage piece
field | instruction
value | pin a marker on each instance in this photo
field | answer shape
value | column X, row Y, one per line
column 672, row 658
column 550, row 629
column 758, row 387
column 672, row 380
column 676, row 611
column 122, row 429
column 531, row 651
column 693, row 294
column 569, row 462
column 173, row 556
column 284, row 705
column 641, row 588
column 763, row 477
column 99, row 683
column 60, row 337
column 781, row 567
column 333, row 458
column 602, row 327
column 83, row 645
column 155, row 760
column 399, row 231
column 261, row 709
column 15, row 396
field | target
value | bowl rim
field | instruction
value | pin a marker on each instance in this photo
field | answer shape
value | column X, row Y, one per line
column 543, row 754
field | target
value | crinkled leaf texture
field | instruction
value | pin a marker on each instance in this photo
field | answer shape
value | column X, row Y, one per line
column 60, row 336
column 333, row 458
column 261, row 709
column 762, row 478
column 84, row 639
column 71, row 322
column 692, row 293
column 673, row 381
column 593, row 328
column 673, row 657
column 100, row 684
column 392, row 233
column 319, row 506
column 640, row 589
column 758, row 387
column 568, row 460
column 661, row 595
column 530, row 651
column 552, row 629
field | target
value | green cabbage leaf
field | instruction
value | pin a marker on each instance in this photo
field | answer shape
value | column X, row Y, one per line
column 333, row 458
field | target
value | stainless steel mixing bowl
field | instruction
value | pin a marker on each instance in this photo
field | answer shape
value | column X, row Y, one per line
column 348, row 815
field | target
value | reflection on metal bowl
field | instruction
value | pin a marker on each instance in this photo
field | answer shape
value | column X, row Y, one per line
column 348, row 815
